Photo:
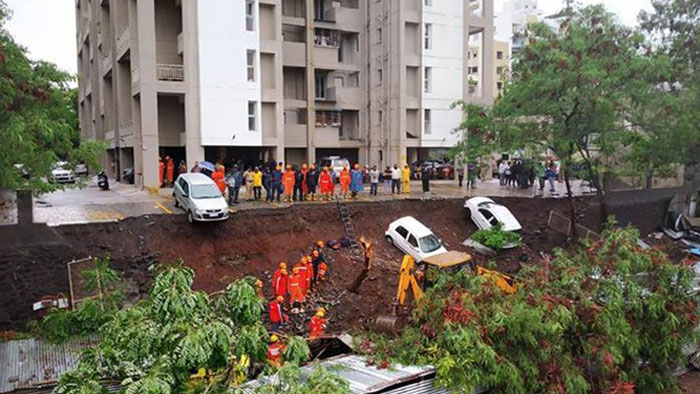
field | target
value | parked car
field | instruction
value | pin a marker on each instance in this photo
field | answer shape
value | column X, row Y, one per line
column 335, row 163
column 199, row 196
column 128, row 175
column 446, row 171
column 414, row 238
column 485, row 214
column 81, row 169
column 60, row 173
column 433, row 165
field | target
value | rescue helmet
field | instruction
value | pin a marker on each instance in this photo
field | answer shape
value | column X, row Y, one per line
column 274, row 338
column 320, row 313
column 320, row 244
column 258, row 283
column 289, row 167
column 283, row 265
column 280, row 298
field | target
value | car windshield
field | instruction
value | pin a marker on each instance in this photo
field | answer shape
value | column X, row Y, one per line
column 205, row 191
column 429, row 243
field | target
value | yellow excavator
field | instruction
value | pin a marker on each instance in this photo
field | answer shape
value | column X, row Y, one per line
column 417, row 279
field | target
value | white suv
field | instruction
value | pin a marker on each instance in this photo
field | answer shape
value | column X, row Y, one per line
column 199, row 196
column 413, row 238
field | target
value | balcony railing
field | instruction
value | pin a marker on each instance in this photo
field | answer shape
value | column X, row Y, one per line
column 170, row 72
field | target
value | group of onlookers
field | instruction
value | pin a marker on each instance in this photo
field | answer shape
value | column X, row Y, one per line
column 523, row 174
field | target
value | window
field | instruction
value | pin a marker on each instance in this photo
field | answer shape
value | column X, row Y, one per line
column 427, row 118
column 379, row 35
column 326, row 38
column 328, row 119
column 252, row 110
column 412, row 240
column 428, row 40
column 430, row 243
column 402, row 231
column 250, row 62
column 499, row 70
column 499, row 85
column 427, row 83
column 380, row 75
column 499, row 55
column 320, row 87
column 250, row 15
column 380, row 116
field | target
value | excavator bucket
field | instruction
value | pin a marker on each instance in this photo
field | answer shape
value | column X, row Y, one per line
column 390, row 325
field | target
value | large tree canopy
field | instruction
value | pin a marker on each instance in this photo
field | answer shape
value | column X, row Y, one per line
column 38, row 117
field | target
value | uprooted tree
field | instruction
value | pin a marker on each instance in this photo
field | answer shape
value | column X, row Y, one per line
column 155, row 345
column 612, row 317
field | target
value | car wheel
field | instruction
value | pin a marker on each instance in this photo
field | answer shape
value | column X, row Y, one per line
column 190, row 217
column 389, row 239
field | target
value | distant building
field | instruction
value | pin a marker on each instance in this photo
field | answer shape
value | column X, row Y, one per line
column 510, row 23
column 293, row 80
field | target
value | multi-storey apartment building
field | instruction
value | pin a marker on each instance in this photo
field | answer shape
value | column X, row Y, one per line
column 291, row 80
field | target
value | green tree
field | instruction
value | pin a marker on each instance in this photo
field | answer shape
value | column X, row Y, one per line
column 38, row 118
column 156, row 344
column 610, row 317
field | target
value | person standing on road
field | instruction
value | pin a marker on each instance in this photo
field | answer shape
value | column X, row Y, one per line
column 218, row 177
column 288, row 182
column 248, row 179
column 161, row 171
column 238, row 182
column 276, row 183
column 171, row 170
column 356, row 181
column 540, row 174
column 472, row 174
column 266, row 184
column 312, row 182
column 326, row 184
column 231, row 186
column 182, row 168
column 373, row 181
column 196, row 169
column 298, row 194
column 406, row 177
column 502, row 170
column 345, row 181
column 551, row 174
column 460, row 175
column 257, row 183
column 304, row 183
column 387, row 179
column 425, row 178
column 395, row 180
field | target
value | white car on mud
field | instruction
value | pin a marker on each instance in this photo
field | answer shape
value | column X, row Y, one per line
column 199, row 196
column 485, row 214
column 60, row 173
column 413, row 238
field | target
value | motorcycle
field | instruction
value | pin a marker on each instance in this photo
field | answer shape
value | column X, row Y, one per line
column 103, row 181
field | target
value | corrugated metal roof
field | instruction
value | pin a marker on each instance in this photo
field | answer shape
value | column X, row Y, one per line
column 366, row 379
column 33, row 363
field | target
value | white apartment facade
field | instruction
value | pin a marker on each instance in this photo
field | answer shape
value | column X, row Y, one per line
column 290, row 80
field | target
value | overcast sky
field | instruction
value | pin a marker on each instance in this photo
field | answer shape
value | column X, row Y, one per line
column 47, row 27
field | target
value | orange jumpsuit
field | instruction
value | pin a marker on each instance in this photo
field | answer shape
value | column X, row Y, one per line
column 316, row 327
column 171, row 171
column 218, row 177
column 161, row 172
column 322, row 268
column 295, row 293
column 326, row 183
column 345, row 180
column 281, row 285
column 303, row 274
column 309, row 273
column 288, row 182
column 275, row 352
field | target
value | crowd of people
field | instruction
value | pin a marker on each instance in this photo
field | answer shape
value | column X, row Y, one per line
column 523, row 174
column 306, row 182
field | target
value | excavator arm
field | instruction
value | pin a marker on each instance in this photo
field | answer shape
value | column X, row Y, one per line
column 407, row 279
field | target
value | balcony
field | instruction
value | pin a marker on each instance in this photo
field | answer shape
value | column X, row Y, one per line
column 180, row 43
column 123, row 38
column 294, row 54
column 345, row 97
column 126, row 129
column 328, row 136
column 346, row 17
column 170, row 72
column 295, row 135
column 326, row 57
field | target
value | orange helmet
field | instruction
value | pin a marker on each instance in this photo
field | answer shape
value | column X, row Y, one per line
column 288, row 167
column 325, row 168
column 283, row 265
column 320, row 244
column 280, row 299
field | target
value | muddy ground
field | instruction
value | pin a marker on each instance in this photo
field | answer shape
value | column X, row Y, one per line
column 254, row 242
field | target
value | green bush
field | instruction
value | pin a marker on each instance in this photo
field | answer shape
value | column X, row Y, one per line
column 496, row 237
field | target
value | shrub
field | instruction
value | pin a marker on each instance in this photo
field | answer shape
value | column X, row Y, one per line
column 496, row 237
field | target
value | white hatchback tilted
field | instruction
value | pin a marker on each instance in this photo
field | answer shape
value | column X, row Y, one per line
column 413, row 238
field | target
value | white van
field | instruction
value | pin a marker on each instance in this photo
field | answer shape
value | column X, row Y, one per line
column 199, row 196
column 413, row 238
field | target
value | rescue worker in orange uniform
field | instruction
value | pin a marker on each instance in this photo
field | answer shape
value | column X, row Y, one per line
column 171, row 169
column 288, row 183
column 309, row 273
column 317, row 324
column 161, row 171
column 281, row 285
column 277, row 314
column 282, row 266
column 295, row 286
column 316, row 260
column 326, row 184
column 219, row 177
column 303, row 273
column 322, row 269
column 345, row 181
column 275, row 351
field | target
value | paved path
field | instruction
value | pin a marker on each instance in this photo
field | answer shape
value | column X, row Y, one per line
column 91, row 204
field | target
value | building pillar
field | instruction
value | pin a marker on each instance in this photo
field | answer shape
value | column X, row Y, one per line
column 488, row 54
column 310, row 83
column 194, row 151
column 147, row 151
